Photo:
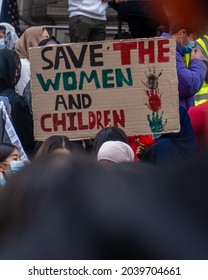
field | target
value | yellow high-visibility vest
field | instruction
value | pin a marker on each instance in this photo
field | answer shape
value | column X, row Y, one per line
column 202, row 95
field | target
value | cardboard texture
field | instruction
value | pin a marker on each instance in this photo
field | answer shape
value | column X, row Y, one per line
column 77, row 89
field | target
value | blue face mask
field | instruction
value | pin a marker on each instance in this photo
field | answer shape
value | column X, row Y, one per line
column 15, row 166
column 2, row 44
column 188, row 48
column 3, row 181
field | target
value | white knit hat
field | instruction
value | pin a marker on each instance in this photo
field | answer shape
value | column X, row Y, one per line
column 115, row 151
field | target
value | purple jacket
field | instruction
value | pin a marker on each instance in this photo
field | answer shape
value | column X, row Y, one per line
column 190, row 79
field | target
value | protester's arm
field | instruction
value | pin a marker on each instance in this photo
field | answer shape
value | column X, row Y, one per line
column 141, row 150
column 190, row 80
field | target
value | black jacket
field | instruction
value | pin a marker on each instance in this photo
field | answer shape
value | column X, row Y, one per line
column 151, row 9
column 20, row 113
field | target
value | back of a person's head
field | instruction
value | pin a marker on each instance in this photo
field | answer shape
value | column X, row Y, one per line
column 116, row 152
column 161, row 29
column 7, row 69
column 122, row 35
column 110, row 133
column 30, row 38
column 67, row 207
column 53, row 144
column 49, row 41
column 59, row 200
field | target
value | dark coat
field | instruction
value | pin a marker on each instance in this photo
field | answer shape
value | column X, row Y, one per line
column 148, row 9
column 20, row 113
column 173, row 148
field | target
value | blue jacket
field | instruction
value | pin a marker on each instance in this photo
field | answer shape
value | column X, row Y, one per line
column 190, row 79
column 172, row 148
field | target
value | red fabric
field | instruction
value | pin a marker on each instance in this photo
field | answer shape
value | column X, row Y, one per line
column 199, row 121
column 144, row 139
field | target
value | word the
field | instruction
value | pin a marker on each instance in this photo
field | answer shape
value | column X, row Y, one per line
column 155, row 51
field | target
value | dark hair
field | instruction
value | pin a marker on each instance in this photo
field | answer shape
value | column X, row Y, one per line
column 18, row 66
column 3, row 29
column 17, row 59
column 122, row 35
column 52, row 143
column 70, row 208
column 162, row 28
column 68, row 201
column 48, row 41
column 7, row 68
column 111, row 133
column 6, row 150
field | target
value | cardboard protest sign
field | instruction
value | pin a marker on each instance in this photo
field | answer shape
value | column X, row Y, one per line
column 79, row 88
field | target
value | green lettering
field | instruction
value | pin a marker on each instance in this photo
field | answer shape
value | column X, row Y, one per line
column 46, row 85
column 121, row 79
column 73, row 84
column 106, row 79
column 93, row 76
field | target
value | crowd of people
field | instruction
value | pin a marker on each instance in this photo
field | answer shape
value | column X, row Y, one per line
column 115, row 196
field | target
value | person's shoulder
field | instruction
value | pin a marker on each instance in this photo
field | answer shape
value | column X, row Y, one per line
column 25, row 62
column 8, row 92
column 13, row 97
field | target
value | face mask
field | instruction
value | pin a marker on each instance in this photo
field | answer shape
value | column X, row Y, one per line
column 2, row 44
column 16, row 165
column 188, row 48
column 5, row 175
column 3, row 181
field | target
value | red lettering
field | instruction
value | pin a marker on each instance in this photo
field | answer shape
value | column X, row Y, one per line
column 61, row 122
column 162, row 50
column 125, row 49
column 118, row 119
column 106, row 118
column 92, row 120
column 42, row 122
column 80, row 122
column 99, row 117
column 149, row 51
column 71, row 121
